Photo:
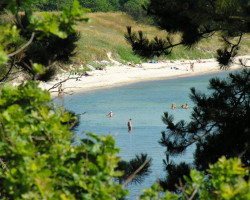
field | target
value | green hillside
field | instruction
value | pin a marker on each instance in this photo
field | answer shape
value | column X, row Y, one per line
column 105, row 33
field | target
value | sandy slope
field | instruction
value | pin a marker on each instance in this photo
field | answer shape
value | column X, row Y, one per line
column 124, row 74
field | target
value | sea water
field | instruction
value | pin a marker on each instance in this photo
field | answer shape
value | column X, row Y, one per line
column 145, row 103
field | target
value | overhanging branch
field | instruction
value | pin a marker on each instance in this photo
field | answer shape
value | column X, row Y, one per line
column 23, row 47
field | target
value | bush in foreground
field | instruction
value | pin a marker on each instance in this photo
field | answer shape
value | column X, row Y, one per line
column 37, row 159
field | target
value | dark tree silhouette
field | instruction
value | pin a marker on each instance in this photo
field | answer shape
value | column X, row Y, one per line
column 129, row 167
column 44, row 49
column 220, row 125
column 195, row 20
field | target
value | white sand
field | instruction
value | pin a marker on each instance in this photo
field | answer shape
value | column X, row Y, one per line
column 123, row 74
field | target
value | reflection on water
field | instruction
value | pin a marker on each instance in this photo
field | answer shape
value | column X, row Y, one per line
column 144, row 103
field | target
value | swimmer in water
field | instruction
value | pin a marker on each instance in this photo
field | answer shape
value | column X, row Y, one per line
column 111, row 114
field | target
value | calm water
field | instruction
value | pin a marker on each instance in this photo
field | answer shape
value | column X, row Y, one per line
column 145, row 103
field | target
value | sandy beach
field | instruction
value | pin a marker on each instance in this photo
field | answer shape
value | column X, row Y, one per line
column 124, row 74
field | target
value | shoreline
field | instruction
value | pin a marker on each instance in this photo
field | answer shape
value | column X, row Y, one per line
column 119, row 75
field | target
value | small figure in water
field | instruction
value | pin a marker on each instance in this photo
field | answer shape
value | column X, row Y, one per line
column 184, row 106
column 60, row 90
column 110, row 114
column 173, row 106
column 130, row 125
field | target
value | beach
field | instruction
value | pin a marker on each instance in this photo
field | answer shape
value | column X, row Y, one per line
column 119, row 74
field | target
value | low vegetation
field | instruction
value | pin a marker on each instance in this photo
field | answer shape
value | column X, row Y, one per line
column 105, row 33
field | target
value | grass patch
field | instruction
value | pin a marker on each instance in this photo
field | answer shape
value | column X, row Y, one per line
column 106, row 34
column 126, row 54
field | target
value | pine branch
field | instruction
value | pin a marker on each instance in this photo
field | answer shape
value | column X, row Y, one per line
column 10, row 69
column 23, row 47
column 132, row 176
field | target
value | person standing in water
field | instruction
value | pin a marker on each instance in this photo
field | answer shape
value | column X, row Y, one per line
column 60, row 90
column 173, row 106
column 110, row 114
column 130, row 125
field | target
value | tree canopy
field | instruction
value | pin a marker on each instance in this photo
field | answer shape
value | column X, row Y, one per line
column 219, row 126
column 195, row 20
column 220, row 121
column 101, row 5
column 132, row 7
column 135, row 8
column 29, row 40
column 37, row 159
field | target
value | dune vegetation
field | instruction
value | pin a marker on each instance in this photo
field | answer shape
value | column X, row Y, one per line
column 105, row 33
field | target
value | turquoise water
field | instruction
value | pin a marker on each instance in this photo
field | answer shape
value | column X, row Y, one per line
column 145, row 104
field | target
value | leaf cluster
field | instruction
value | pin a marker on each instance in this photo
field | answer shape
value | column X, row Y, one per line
column 225, row 181
column 37, row 159
column 43, row 39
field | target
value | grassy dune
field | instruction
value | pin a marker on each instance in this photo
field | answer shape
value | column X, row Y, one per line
column 106, row 32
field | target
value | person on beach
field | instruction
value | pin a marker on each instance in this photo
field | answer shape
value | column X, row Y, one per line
column 100, row 68
column 130, row 125
column 186, row 106
column 133, row 64
column 192, row 66
column 140, row 64
column 111, row 114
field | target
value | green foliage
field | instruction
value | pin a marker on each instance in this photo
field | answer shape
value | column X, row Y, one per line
column 127, row 55
column 195, row 20
column 59, row 25
column 51, row 37
column 225, row 181
column 37, row 158
column 52, row 5
column 219, row 126
column 9, row 35
column 38, row 161
column 135, row 9
column 101, row 5
column 129, row 167
column 93, row 5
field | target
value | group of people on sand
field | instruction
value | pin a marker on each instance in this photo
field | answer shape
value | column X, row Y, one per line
column 184, row 106
column 111, row 114
column 132, row 64
column 101, row 68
